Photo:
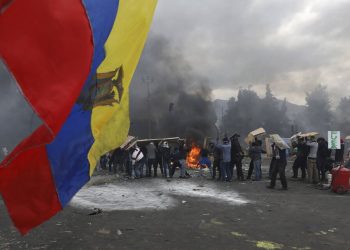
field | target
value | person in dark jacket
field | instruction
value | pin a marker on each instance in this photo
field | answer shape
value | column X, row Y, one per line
column 117, row 159
column 165, row 154
column 226, row 160
column 151, row 159
column 103, row 162
column 273, row 159
column 217, row 161
column 237, row 156
column 301, row 159
column 251, row 164
column 339, row 153
column 255, row 152
column 322, row 155
column 158, row 161
column 178, row 160
column 279, row 168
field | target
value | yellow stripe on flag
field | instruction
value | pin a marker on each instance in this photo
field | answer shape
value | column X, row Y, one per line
column 110, row 123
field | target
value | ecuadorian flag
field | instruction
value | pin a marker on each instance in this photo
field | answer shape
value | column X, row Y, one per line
column 73, row 61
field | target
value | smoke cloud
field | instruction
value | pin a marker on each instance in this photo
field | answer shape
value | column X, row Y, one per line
column 179, row 101
column 17, row 118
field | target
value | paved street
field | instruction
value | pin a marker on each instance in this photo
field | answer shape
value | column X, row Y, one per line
column 193, row 213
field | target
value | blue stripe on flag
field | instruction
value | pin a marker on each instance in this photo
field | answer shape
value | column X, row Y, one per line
column 68, row 152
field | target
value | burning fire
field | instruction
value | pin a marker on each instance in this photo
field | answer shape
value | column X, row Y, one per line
column 193, row 157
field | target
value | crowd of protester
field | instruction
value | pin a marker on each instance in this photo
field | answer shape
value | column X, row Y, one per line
column 312, row 157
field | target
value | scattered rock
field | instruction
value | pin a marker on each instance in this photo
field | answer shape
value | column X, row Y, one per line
column 268, row 245
column 216, row 222
column 332, row 230
column 260, row 211
column 96, row 211
column 104, row 231
column 237, row 234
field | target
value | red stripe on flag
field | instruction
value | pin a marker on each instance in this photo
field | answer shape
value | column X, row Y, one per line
column 3, row 3
column 40, row 136
column 28, row 189
column 47, row 45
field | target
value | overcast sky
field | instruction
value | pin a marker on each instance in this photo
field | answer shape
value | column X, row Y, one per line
column 291, row 44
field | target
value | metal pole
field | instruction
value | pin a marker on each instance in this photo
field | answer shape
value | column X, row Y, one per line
column 148, row 80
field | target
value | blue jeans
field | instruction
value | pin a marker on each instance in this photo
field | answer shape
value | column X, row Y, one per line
column 138, row 168
column 165, row 167
column 257, row 169
column 225, row 170
column 183, row 168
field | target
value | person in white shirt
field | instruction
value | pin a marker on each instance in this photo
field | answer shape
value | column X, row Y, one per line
column 137, row 160
column 312, row 170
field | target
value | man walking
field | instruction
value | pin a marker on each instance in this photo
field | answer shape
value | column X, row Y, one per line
column 279, row 168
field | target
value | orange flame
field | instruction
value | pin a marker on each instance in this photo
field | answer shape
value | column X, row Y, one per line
column 193, row 156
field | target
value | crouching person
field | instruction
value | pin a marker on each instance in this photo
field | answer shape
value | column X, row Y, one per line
column 205, row 162
column 138, row 160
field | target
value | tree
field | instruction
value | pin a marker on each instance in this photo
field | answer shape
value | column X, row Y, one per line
column 318, row 109
column 243, row 115
column 275, row 118
column 284, row 122
column 342, row 116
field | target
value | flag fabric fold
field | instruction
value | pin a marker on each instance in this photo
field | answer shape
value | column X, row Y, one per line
column 73, row 61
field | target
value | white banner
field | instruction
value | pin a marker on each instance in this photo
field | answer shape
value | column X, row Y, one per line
column 334, row 139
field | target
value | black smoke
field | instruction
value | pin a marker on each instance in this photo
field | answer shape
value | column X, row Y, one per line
column 178, row 103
